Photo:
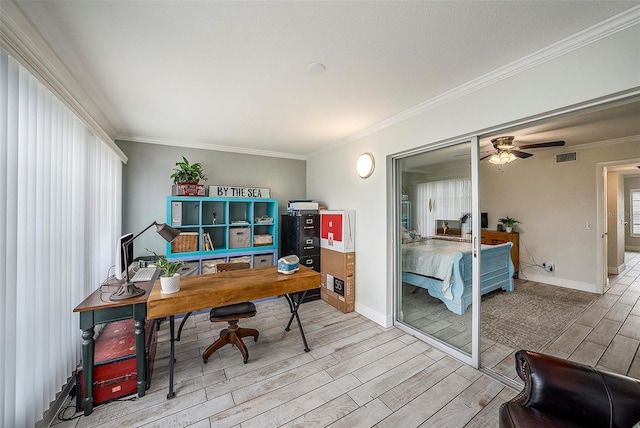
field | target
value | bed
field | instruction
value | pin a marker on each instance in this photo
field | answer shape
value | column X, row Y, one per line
column 443, row 267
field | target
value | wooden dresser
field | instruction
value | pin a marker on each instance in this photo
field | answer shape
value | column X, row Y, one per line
column 493, row 237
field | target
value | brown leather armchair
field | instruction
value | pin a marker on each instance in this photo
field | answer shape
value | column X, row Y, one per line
column 560, row 393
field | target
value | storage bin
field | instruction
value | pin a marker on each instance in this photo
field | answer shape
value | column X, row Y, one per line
column 185, row 242
column 260, row 240
column 261, row 260
column 209, row 266
column 240, row 259
column 239, row 237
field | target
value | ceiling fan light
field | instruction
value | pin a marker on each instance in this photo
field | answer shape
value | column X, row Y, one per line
column 505, row 158
column 502, row 158
column 495, row 159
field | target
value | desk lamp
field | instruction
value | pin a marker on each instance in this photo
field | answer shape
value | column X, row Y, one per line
column 129, row 289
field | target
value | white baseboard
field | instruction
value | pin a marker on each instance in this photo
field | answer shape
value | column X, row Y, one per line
column 560, row 282
column 613, row 270
column 375, row 316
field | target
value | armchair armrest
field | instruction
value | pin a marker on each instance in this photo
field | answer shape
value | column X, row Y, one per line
column 577, row 392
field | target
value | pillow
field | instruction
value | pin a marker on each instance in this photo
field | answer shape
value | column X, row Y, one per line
column 410, row 236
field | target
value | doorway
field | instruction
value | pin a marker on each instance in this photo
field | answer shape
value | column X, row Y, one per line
column 619, row 179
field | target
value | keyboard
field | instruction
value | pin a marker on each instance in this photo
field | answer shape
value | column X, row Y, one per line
column 143, row 274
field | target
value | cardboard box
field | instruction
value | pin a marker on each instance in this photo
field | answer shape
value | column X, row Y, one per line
column 338, row 230
column 338, row 279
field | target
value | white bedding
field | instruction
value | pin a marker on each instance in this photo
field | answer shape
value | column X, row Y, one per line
column 433, row 258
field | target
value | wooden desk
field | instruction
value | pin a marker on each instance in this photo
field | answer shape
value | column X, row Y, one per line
column 226, row 288
column 98, row 309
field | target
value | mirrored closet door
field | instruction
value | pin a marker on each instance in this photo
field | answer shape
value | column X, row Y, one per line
column 436, row 264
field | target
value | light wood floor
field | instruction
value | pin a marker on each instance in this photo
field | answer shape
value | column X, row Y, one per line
column 607, row 335
column 357, row 374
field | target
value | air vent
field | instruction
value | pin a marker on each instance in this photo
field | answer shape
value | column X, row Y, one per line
column 566, row 157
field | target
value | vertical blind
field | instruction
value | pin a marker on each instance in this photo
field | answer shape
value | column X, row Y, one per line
column 441, row 200
column 61, row 193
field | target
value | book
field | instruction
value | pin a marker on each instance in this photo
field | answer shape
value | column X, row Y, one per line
column 208, row 243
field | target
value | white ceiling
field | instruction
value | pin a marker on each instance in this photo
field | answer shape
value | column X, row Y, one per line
column 232, row 74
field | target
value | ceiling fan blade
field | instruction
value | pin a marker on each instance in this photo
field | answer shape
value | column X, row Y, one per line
column 487, row 156
column 521, row 155
column 540, row 145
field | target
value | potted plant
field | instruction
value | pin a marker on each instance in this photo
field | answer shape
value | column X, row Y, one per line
column 508, row 222
column 188, row 173
column 170, row 280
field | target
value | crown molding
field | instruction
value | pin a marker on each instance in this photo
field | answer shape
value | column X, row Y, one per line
column 23, row 42
column 206, row 146
column 608, row 27
column 600, row 144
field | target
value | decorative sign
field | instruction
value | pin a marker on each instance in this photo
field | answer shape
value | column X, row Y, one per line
column 239, row 192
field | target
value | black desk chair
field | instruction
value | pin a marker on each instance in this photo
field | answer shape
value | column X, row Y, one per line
column 232, row 314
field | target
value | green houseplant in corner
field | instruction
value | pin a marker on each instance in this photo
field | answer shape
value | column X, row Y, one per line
column 170, row 280
column 508, row 222
column 188, row 173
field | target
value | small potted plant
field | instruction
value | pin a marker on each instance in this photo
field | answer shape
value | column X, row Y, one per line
column 188, row 173
column 170, row 280
column 508, row 222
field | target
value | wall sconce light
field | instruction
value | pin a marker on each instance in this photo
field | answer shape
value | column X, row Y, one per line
column 365, row 165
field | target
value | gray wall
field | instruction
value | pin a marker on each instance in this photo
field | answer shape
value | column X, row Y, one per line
column 147, row 183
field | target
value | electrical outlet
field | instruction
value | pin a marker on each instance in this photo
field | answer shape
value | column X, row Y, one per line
column 549, row 266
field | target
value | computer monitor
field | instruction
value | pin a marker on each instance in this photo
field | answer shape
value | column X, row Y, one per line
column 121, row 261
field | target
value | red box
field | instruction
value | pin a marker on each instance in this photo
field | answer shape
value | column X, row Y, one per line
column 188, row 190
column 338, row 230
column 115, row 369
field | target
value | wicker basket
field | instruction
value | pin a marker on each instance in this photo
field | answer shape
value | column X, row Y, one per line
column 185, row 242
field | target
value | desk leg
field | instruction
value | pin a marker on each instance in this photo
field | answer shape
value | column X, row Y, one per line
column 172, row 320
column 294, row 304
column 141, row 357
column 87, row 369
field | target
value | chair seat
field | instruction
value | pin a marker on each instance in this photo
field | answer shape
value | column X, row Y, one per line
column 244, row 310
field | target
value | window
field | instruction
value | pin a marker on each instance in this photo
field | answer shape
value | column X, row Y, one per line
column 60, row 208
column 634, row 205
column 442, row 200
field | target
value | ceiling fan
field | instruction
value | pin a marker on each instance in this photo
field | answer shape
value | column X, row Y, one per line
column 504, row 151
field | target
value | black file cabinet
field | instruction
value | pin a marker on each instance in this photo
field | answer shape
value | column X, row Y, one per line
column 300, row 235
